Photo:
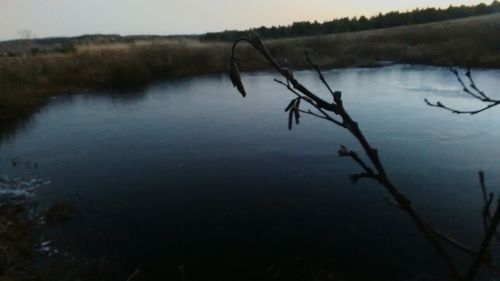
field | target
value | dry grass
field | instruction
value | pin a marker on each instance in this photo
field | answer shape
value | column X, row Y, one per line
column 25, row 81
column 472, row 41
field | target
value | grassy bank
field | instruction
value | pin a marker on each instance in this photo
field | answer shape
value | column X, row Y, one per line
column 467, row 42
column 26, row 81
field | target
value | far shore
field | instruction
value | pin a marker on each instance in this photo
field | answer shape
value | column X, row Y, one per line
column 27, row 81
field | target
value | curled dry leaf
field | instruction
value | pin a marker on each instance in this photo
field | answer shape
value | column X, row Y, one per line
column 234, row 74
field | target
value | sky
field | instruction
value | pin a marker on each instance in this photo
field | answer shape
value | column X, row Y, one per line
column 48, row 18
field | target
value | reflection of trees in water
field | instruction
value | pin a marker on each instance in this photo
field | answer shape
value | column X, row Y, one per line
column 9, row 128
column 372, row 166
column 126, row 96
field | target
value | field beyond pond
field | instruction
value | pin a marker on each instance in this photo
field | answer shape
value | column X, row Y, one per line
column 26, row 81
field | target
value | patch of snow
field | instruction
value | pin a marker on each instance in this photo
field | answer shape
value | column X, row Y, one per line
column 15, row 188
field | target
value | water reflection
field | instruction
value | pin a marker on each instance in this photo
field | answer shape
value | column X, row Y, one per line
column 8, row 129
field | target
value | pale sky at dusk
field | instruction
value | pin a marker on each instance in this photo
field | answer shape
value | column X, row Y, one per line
column 46, row 18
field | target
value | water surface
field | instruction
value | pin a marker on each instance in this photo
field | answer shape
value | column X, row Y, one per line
column 187, row 173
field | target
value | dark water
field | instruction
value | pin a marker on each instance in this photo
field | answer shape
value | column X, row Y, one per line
column 187, row 173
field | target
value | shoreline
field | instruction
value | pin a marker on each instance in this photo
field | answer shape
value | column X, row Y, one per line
column 27, row 82
column 37, row 99
column 33, row 245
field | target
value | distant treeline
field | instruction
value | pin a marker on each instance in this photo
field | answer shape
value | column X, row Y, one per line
column 391, row 19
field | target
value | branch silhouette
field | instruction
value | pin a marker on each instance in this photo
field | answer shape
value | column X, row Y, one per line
column 471, row 90
column 372, row 166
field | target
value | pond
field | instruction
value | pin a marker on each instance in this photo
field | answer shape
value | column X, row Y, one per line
column 189, row 181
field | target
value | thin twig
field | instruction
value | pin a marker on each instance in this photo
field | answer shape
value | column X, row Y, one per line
column 473, row 85
column 471, row 90
column 488, row 199
column 345, row 152
column 464, row 87
column 313, row 114
column 451, row 241
column 457, row 111
column 324, row 115
column 485, row 244
column 318, row 70
column 455, row 243
column 134, row 274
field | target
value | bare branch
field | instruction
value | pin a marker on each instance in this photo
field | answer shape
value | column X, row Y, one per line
column 320, row 74
column 488, row 199
column 345, row 152
column 448, row 239
column 473, row 85
column 313, row 114
column 457, row 111
column 452, row 242
column 464, row 87
column 255, row 41
column 484, row 251
column 471, row 90
column 324, row 115
column 378, row 171
column 356, row 177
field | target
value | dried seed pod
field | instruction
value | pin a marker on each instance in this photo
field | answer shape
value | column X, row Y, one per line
column 297, row 115
column 290, row 105
column 234, row 74
column 290, row 117
column 296, row 112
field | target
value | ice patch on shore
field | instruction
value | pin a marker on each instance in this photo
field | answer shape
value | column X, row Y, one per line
column 17, row 188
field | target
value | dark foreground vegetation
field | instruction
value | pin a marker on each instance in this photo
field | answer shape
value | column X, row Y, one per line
column 26, row 252
column 27, row 80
